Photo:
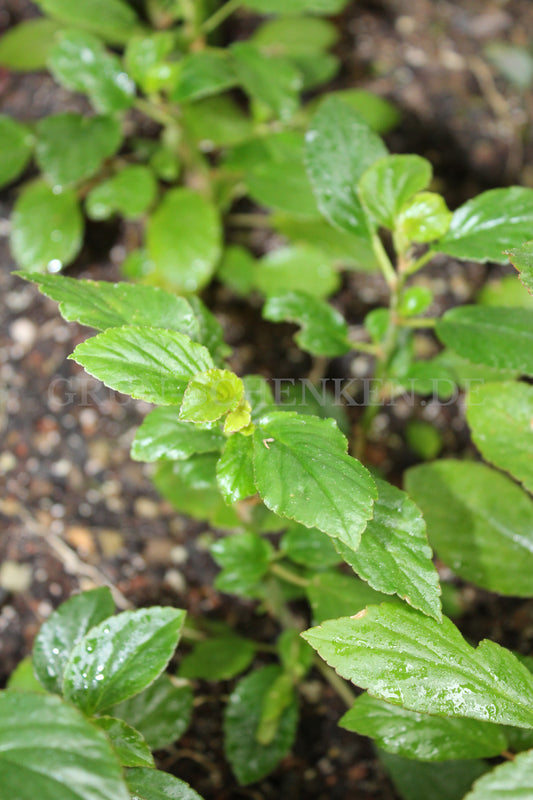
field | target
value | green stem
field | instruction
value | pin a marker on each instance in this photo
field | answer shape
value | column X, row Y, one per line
column 335, row 681
column 154, row 112
column 249, row 220
column 287, row 575
column 219, row 16
column 414, row 266
column 418, row 322
column 384, row 261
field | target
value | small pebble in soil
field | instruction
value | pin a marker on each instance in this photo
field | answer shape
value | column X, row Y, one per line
column 15, row 577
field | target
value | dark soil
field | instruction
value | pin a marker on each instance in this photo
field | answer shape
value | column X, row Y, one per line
column 75, row 511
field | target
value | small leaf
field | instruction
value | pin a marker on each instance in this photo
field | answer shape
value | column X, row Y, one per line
column 161, row 712
column 506, row 291
column 250, row 760
column 237, row 269
column 211, row 331
column 522, row 259
column 218, row 659
column 424, row 218
column 113, row 20
column 340, row 247
column 309, row 547
column 204, row 73
column 47, row 228
column 152, row 784
column 120, row 657
column 280, row 696
column 245, row 559
column 145, row 60
column 511, row 780
column 147, row 363
column 23, row 679
column 411, row 660
column 422, row 736
column 70, row 758
column 324, row 330
column 163, row 435
column 210, row 395
column 302, row 472
column 295, row 36
column 296, row 6
column 183, row 240
column 217, row 122
column 493, row 222
column 235, row 470
column 297, row 269
column 415, row 300
column 416, row 780
column 129, row 193
column 16, row 145
column 380, row 114
column 490, row 336
column 272, row 81
column 239, row 419
column 389, row 183
column 25, row 47
column 63, row 629
column 332, row 594
column 71, row 147
column 128, row 744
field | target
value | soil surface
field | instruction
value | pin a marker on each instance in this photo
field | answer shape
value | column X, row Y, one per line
column 76, row 512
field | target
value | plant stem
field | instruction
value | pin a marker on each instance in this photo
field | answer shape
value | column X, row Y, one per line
column 287, row 575
column 418, row 322
column 335, row 681
column 249, row 220
column 154, row 112
column 414, row 266
column 384, row 262
column 219, row 16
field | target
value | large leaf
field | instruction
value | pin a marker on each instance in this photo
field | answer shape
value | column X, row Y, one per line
column 332, row 594
column 389, row 183
column 492, row 336
column 421, row 736
column 394, row 555
column 493, row 222
column 272, row 81
column 16, row 145
column 478, row 520
column 301, row 269
column 511, row 780
column 25, row 47
column 129, row 745
column 417, row 780
column 130, row 192
column 120, row 657
column 522, row 259
column 183, row 240
column 113, row 20
column 324, row 329
column 163, row 435
column 48, row 750
column 500, row 416
column 249, row 759
column 303, row 472
column 63, row 629
column 147, row 363
column 340, row 147
column 47, row 228
column 296, row 6
column 151, row 784
column 411, row 660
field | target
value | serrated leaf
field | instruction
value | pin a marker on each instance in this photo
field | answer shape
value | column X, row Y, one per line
column 424, row 218
column 25, row 47
column 324, row 329
column 161, row 712
column 273, row 81
column 491, row 336
column 300, row 269
column 416, row 780
column 332, row 594
column 47, row 228
column 491, row 223
column 522, row 259
column 421, row 736
column 70, row 758
column 16, row 145
column 218, row 659
column 245, row 559
column 115, row 21
column 389, row 183
column 129, row 193
column 235, row 470
column 151, row 784
column 340, row 147
column 120, row 657
column 71, row 147
column 63, row 629
column 79, row 61
column 394, row 555
column 211, row 394
column 204, row 73
column 477, row 520
column 296, row 6
column 306, row 398
column 250, row 760
column 163, row 435
column 411, row 660
column 309, row 547
column 128, row 744
column 183, row 240
column 302, row 472
column 511, row 780
column 147, row 363
column 500, row 416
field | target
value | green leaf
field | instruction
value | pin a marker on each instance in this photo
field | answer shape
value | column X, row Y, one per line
column 377, row 112
column 296, row 6
column 416, row 780
column 295, row 36
column 302, row 472
column 424, row 439
column 484, row 228
column 129, row 193
column 183, row 238
column 511, row 780
column 340, row 147
column 50, row 751
column 422, row 736
column 163, row 435
column 309, row 547
column 25, row 47
column 415, row 300
column 237, row 269
column 102, row 304
column 500, row 415
column 394, row 555
column 411, row 660
column 235, row 470
column 71, row 147
column 298, row 269
column 217, row 122
column 245, row 559
column 161, row 712
column 47, row 228
column 515, row 63
column 113, row 20
column 332, row 594
column 506, row 291
column 23, row 679
column 522, row 259
column 63, row 629
column 211, row 331
column 128, row 744
column 145, row 60
column 477, row 519
column 492, row 336
column 280, row 695
column 305, row 398
column 16, row 145
column 389, row 183
column 79, row 61
column 218, row 659
column 120, row 657
column 210, row 395
column 272, row 81
column 324, row 330
column 249, row 759
column 204, row 73
column 424, row 218
column 151, row 784
column 147, row 363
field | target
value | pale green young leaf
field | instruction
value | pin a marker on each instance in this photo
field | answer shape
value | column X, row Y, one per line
column 16, row 145
column 153, row 784
column 218, row 659
column 417, row 780
column 340, row 247
column 522, row 259
column 62, row 744
column 309, row 547
column 409, row 659
column 25, row 47
column 511, row 780
column 303, row 472
column 145, row 60
column 296, row 269
column 163, row 435
column 500, row 416
column 505, row 291
column 113, row 20
column 380, row 114
column 296, row 6
column 332, row 594
column 245, row 559
column 424, row 218
column 201, row 74
column 324, row 331
column 389, row 183
column 272, row 81
column 129, row 745
column 130, row 193
column 421, row 736
column 211, row 394
column 235, row 469
column 150, row 364
column 47, row 228
column 120, row 657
